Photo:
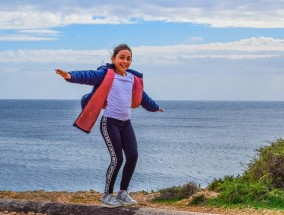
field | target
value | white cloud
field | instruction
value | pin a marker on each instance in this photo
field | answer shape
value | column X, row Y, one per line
column 35, row 19
column 53, row 56
column 219, row 13
column 47, row 32
column 252, row 48
column 30, row 35
column 20, row 37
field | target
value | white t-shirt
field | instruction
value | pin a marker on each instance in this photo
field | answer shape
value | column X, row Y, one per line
column 120, row 97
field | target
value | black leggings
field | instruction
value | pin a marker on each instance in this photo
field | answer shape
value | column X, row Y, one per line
column 119, row 136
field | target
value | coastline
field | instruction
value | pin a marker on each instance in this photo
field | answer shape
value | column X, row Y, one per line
column 145, row 200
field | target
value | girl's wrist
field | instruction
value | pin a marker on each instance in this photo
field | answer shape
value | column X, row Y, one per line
column 67, row 75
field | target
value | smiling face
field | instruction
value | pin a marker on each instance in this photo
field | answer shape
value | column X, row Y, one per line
column 122, row 61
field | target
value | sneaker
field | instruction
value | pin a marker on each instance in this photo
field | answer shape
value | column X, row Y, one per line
column 125, row 198
column 109, row 201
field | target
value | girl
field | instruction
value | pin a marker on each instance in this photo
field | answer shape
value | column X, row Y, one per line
column 117, row 89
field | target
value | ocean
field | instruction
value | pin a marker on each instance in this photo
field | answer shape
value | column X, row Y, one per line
column 195, row 141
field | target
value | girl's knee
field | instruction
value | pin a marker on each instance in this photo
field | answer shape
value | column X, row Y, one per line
column 133, row 157
column 119, row 161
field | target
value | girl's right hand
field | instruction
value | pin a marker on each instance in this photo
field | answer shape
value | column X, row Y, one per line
column 63, row 73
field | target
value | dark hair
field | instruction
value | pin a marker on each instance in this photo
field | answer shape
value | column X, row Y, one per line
column 119, row 48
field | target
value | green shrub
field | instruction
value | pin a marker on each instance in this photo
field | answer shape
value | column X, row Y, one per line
column 178, row 192
column 218, row 184
column 197, row 200
column 268, row 165
column 240, row 192
column 276, row 196
column 262, row 182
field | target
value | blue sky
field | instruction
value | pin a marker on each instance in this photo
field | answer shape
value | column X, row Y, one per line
column 187, row 49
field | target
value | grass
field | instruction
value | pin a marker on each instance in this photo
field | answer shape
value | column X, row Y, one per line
column 261, row 186
column 166, row 201
column 198, row 200
column 176, row 193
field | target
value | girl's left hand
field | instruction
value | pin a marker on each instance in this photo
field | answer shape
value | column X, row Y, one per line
column 63, row 73
column 160, row 110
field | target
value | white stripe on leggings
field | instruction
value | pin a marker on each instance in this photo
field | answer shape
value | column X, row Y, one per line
column 113, row 163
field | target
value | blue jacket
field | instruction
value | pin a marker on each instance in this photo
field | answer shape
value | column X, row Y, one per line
column 95, row 78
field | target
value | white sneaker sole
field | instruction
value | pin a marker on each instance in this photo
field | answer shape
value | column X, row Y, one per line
column 127, row 203
column 110, row 206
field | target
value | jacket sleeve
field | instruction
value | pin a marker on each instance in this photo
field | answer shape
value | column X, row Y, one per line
column 89, row 77
column 148, row 103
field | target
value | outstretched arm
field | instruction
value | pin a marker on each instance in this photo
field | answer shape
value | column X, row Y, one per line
column 89, row 77
column 149, row 104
